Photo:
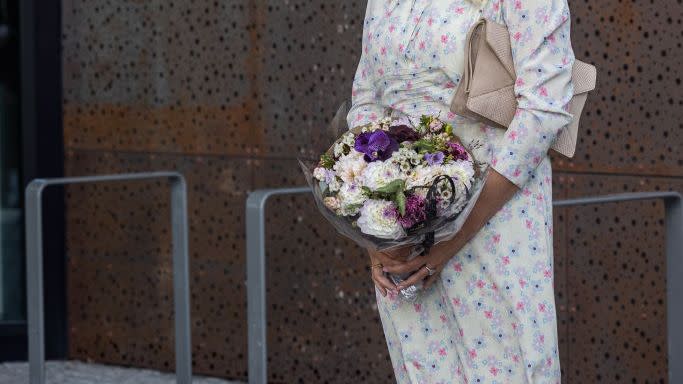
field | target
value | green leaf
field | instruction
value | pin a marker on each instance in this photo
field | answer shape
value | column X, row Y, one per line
column 425, row 146
column 400, row 200
column 326, row 161
column 353, row 207
column 392, row 187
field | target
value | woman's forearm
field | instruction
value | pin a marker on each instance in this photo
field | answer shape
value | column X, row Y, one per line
column 497, row 191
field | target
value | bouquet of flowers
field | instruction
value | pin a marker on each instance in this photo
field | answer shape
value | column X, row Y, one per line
column 396, row 183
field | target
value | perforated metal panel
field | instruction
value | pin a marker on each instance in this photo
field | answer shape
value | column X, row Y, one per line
column 230, row 93
column 632, row 122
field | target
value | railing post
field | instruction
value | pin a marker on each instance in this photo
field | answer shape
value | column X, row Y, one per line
column 256, row 272
column 34, row 282
column 674, row 286
column 181, row 281
column 256, row 280
column 256, row 289
column 34, row 268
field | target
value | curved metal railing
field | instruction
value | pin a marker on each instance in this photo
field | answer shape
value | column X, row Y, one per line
column 256, row 272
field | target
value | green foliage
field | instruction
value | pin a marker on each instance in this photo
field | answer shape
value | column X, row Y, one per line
column 394, row 191
column 327, row 161
column 400, row 201
column 392, row 187
column 353, row 207
column 429, row 145
column 425, row 121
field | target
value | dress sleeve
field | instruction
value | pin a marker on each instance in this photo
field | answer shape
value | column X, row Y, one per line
column 365, row 107
column 543, row 59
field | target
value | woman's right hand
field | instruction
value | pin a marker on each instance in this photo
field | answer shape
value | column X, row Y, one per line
column 381, row 259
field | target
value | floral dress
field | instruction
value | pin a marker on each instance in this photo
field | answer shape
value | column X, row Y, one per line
column 491, row 316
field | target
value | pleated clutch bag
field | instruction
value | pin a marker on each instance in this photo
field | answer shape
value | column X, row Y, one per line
column 486, row 91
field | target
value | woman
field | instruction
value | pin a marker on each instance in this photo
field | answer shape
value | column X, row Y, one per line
column 488, row 312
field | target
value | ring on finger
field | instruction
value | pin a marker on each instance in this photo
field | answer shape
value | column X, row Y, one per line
column 430, row 271
column 378, row 265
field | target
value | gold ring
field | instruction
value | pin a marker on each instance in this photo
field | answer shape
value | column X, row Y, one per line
column 378, row 265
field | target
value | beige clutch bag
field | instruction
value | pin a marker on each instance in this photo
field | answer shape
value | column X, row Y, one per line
column 486, row 91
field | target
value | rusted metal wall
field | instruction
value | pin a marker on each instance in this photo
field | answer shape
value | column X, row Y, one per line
column 231, row 92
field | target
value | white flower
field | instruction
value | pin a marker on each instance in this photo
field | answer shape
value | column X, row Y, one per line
column 350, row 167
column 423, row 175
column 385, row 123
column 462, row 171
column 339, row 149
column 328, row 177
column 380, row 173
column 349, row 139
column 351, row 198
column 379, row 218
column 319, row 173
column 405, row 157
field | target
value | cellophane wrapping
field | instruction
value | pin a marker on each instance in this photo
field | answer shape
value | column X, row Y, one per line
column 420, row 236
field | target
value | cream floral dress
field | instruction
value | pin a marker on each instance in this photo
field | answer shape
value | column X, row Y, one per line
column 491, row 317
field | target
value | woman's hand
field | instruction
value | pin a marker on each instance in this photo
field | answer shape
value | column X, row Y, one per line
column 428, row 266
column 383, row 259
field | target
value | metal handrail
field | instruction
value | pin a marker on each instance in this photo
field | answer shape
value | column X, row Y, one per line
column 34, row 268
column 256, row 272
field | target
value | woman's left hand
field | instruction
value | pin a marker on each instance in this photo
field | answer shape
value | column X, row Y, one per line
column 425, row 267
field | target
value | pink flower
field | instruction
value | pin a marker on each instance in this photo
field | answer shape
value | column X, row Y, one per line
column 415, row 211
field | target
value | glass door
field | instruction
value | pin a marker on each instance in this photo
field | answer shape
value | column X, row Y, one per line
column 12, row 306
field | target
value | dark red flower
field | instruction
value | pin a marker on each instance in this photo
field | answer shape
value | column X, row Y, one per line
column 457, row 150
column 402, row 133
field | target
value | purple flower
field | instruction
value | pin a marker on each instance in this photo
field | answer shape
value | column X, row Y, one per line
column 457, row 150
column 390, row 212
column 415, row 211
column 376, row 145
column 402, row 133
column 434, row 158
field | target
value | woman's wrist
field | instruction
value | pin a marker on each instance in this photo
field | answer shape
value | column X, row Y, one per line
column 449, row 248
